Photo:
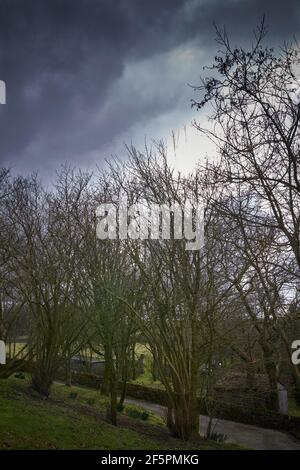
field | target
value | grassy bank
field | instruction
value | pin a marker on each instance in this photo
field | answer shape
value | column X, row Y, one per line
column 75, row 419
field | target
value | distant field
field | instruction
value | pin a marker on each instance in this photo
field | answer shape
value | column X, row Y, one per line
column 15, row 348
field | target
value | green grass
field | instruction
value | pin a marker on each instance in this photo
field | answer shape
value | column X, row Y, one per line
column 294, row 410
column 146, row 378
column 76, row 422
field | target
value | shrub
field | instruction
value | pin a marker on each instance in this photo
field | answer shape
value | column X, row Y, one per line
column 120, row 407
column 137, row 413
column 218, row 437
column 20, row 375
column 144, row 415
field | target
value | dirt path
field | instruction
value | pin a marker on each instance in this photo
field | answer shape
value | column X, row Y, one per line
column 252, row 437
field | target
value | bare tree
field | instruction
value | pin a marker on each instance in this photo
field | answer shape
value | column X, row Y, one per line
column 255, row 97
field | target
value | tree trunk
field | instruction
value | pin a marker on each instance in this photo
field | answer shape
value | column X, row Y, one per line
column 250, row 374
column 124, row 384
column 42, row 379
column 105, row 383
column 272, row 371
column 113, row 389
column 133, row 363
column 111, row 414
column 68, row 372
column 170, row 419
column 186, row 417
column 113, row 403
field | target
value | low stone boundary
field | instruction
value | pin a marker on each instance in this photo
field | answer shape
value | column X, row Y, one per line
column 261, row 417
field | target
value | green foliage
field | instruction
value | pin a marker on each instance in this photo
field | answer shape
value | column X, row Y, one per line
column 137, row 413
column 20, row 375
column 218, row 437
column 294, row 409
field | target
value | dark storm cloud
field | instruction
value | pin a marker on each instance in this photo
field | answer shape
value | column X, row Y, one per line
column 64, row 63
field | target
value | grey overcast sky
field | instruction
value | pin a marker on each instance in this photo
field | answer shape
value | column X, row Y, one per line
column 85, row 76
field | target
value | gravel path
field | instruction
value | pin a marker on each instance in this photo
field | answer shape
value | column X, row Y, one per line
column 249, row 436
